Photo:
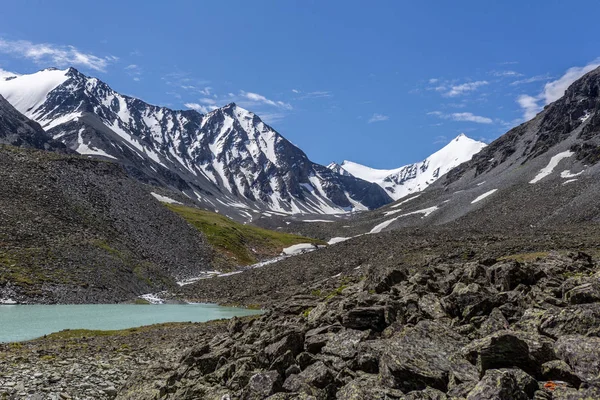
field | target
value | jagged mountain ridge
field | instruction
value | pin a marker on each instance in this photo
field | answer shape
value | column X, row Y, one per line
column 415, row 177
column 228, row 156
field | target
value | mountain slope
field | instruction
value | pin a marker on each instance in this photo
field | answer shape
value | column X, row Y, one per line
column 415, row 177
column 228, row 157
column 76, row 230
column 542, row 173
column 17, row 130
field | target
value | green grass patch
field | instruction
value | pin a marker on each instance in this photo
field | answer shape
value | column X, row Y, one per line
column 242, row 244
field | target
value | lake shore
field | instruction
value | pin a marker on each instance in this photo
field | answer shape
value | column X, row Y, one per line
column 93, row 364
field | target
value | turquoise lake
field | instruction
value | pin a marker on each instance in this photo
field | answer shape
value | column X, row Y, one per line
column 25, row 322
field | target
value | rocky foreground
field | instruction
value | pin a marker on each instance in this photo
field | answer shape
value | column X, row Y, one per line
column 83, row 364
column 482, row 329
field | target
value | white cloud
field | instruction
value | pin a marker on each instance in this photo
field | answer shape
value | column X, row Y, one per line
column 552, row 91
column 206, row 100
column 458, row 90
column 378, row 118
column 506, row 73
column 295, row 91
column 54, row 55
column 529, row 104
column 258, row 98
column 271, row 118
column 470, row 117
column 316, row 95
column 433, row 80
column 464, row 116
column 532, row 79
column 134, row 71
column 198, row 107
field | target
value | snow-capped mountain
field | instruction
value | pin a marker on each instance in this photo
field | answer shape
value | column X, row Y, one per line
column 415, row 177
column 228, row 156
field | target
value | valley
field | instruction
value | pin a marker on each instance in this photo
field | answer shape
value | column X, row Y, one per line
column 472, row 274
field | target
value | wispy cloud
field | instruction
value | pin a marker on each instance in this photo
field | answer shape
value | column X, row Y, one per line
column 532, row 79
column 440, row 139
column 134, row 71
column 504, row 74
column 258, row 98
column 48, row 54
column 458, row 90
column 272, row 118
column 553, row 90
column 464, row 117
column 378, row 118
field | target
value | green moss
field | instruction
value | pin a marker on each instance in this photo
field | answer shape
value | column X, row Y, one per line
column 306, row 312
column 336, row 292
column 237, row 241
column 141, row 301
column 316, row 292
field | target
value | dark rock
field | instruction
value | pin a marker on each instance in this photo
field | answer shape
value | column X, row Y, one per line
column 507, row 349
column 586, row 293
column 367, row 387
column 497, row 385
column 426, row 394
column 575, row 320
column 344, row 344
column 381, row 279
column 419, row 357
column 494, row 323
column 582, row 354
column 558, row 370
column 317, row 375
column 262, row 385
column 525, row 382
column 363, row 318
column 506, row 276
column 292, row 341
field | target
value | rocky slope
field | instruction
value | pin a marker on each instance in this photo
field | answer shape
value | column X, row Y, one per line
column 414, row 178
column 228, row 159
column 18, row 130
column 75, row 230
column 487, row 321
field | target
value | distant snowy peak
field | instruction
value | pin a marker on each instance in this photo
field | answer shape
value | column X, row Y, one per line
column 228, row 153
column 415, row 177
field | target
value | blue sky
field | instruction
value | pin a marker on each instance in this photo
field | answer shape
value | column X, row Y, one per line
column 382, row 83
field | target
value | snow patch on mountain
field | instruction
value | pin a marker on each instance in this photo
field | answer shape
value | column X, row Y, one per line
column 414, row 178
column 553, row 163
column 229, row 152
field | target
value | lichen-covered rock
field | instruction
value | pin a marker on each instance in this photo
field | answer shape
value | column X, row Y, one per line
column 558, row 370
column 368, row 387
column 575, row 320
column 497, row 385
column 507, row 349
column 420, row 357
column 582, row 354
